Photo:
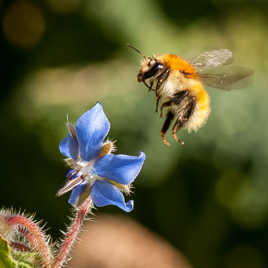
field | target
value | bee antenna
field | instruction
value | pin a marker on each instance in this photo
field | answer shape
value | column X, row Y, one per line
column 135, row 49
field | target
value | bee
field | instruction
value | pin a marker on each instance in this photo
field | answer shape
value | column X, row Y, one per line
column 179, row 84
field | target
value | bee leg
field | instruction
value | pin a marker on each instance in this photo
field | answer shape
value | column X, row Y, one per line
column 165, row 128
column 163, row 105
column 151, row 85
column 157, row 102
column 157, row 96
column 175, row 129
column 144, row 82
column 161, row 78
column 178, row 97
column 183, row 118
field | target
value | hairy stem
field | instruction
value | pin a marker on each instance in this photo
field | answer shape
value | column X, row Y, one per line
column 29, row 236
column 71, row 234
column 19, row 246
column 39, row 242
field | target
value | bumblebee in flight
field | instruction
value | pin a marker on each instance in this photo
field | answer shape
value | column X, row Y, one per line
column 179, row 84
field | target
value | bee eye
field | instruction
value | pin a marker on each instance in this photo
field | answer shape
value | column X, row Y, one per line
column 153, row 70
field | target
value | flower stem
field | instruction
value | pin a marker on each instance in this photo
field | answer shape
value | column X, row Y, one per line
column 29, row 236
column 72, row 233
column 19, row 246
column 39, row 241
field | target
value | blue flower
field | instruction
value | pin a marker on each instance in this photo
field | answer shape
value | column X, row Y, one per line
column 95, row 170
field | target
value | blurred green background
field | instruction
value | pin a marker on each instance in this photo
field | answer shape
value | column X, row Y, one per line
column 208, row 199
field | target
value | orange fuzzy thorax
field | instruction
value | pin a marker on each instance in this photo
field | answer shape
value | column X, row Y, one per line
column 174, row 62
column 195, row 87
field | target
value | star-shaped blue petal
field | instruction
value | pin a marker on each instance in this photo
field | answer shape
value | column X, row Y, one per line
column 76, row 193
column 95, row 171
column 69, row 147
column 120, row 168
column 103, row 193
column 91, row 129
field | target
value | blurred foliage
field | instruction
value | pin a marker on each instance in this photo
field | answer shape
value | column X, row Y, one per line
column 209, row 198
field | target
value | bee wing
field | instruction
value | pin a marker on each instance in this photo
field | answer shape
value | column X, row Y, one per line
column 227, row 77
column 212, row 59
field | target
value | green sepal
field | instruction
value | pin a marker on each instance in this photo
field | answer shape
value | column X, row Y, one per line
column 6, row 259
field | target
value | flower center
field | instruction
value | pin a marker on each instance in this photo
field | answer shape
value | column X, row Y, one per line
column 84, row 169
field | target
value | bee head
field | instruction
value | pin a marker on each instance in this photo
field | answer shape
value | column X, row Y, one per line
column 149, row 68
